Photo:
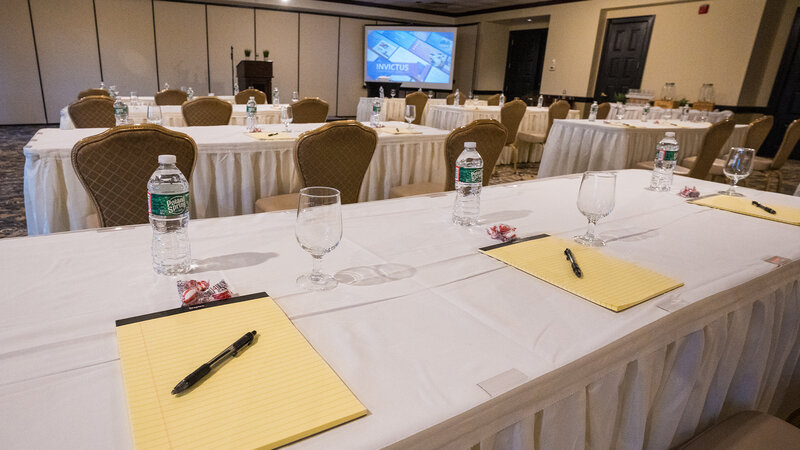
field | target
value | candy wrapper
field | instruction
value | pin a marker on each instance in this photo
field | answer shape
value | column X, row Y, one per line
column 502, row 232
column 196, row 292
column 686, row 192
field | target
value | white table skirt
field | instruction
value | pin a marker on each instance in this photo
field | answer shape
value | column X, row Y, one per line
column 421, row 318
column 151, row 100
column 394, row 108
column 172, row 116
column 634, row 112
column 575, row 146
column 232, row 172
column 449, row 117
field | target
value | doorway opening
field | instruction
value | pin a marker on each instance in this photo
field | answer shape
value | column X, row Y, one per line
column 784, row 102
column 524, row 63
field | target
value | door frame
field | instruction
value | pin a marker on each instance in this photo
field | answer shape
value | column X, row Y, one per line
column 783, row 68
column 650, row 19
column 546, row 32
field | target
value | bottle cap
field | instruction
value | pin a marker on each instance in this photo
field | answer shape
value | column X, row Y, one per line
column 670, row 134
column 470, row 145
column 167, row 159
column 252, row 98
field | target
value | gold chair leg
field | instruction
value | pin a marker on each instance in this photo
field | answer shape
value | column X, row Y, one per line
column 767, row 178
column 515, row 156
column 780, row 181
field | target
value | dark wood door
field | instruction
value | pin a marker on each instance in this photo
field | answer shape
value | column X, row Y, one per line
column 624, row 54
column 524, row 63
column 784, row 102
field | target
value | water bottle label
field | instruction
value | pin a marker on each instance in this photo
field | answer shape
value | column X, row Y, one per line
column 168, row 205
column 251, row 110
column 664, row 155
column 120, row 110
column 469, row 175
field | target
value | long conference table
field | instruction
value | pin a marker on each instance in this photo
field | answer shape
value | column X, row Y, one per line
column 232, row 171
column 575, row 146
column 393, row 109
column 172, row 115
column 446, row 347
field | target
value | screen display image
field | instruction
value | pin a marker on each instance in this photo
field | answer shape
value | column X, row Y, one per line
column 417, row 56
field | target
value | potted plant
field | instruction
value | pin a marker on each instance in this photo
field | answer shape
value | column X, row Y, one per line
column 619, row 97
column 266, row 54
column 246, row 53
column 683, row 102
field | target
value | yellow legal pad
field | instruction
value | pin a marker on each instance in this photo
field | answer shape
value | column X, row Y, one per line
column 276, row 391
column 399, row 130
column 744, row 205
column 273, row 136
column 607, row 281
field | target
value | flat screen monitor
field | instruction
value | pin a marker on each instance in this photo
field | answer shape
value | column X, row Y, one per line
column 419, row 57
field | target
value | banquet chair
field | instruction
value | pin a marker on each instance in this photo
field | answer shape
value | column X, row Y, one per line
column 452, row 98
column 94, row 111
column 309, row 110
column 757, row 132
column 558, row 110
column 747, row 430
column 602, row 110
column 114, row 167
column 419, row 100
column 490, row 137
column 772, row 166
column 170, row 97
column 493, row 100
column 244, row 96
column 94, row 91
column 511, row 115
column 336, row 155
column 702, row 165
column 206, row 111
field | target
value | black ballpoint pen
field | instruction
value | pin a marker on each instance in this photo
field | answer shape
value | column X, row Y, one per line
column 765, row 208
column 575, row 267
column 203, row 370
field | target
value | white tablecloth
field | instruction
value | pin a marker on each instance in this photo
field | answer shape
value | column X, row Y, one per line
column 394, row 108
column 421, row 318
column 579, row 145
column 151, row 100
column 232, row 171
column 172, row 116
column 634, row 112
column 449, row 117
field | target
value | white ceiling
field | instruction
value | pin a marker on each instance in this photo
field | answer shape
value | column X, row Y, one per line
column 452, row 7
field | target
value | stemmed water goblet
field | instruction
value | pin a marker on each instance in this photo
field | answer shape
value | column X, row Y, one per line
column 154, row 114
column 286, row 116
column 318, row 231
column 595, row 201
column 620, row 111
column 411, row 114
column 737, row 167
column 393, row 93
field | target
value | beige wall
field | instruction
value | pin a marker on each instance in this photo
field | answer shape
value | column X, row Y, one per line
column 319, row 56
column 20, row 88
column 129, row 63
column 228, row 26
column 464, row 64
column 276, row 31
column 351, row 65
column 181, row 46
column 67, row 48
column 686, row 48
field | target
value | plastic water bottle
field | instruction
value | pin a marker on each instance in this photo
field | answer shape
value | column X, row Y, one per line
column 252, row 120
column 190, row 93
column 120, row 111
column 457, row 98
column 502, row 99
column 166, row 85
column 276, row 97
column 685, row 113
column 380, row 92
column 295, row 97
column 469, row 180
column 235, row 88
column 375, row 119
column 664, row 163
column 102, row 85
column 593, row 112
column 540, row 102
column 168, row 206
column 645, row 113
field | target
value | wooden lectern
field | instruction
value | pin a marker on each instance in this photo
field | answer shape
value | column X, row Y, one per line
column 256, row 74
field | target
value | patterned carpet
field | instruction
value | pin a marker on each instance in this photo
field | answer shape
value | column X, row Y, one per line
column 12, row 163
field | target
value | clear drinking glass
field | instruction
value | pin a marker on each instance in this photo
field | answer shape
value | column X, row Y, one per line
column 430, row 94
column 392, row 93
column 737, row 167
column 620, row 111
column 411, row 114
column 154, row 114
column 134, row 99
column 295, row 97
column 595, row 201
column 318, row 230
column 286, row 116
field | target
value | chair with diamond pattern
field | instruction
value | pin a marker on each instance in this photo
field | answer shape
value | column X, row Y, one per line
column 94, row 91
column 206, row 112
column 170, row 97
column 94, row 111
column 114, row 167
column 335, row 155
